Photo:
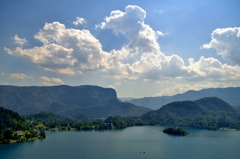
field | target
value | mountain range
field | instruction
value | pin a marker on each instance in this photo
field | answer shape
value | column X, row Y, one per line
column 92, row 101
column 230, row 95
column 207, row 113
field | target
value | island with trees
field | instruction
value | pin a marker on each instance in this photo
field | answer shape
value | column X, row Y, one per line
column 174, row 130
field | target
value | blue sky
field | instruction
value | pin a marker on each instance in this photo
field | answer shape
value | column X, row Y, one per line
column 139, row 48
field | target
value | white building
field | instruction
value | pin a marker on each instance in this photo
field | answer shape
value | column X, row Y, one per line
column 19, row 133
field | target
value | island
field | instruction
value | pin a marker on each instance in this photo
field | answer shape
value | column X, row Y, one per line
column 174, row 130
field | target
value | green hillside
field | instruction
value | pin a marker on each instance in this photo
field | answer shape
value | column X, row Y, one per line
column 10, row 119
column 207, row 113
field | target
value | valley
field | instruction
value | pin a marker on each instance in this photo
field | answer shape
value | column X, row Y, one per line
column 97, row 108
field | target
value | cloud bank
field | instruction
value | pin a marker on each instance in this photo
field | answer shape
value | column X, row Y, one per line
column 72, row 51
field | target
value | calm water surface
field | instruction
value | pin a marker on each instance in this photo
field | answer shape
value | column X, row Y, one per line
column 131, row 143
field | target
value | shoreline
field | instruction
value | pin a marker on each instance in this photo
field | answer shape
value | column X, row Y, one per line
column 28, row 140
column 228, row 129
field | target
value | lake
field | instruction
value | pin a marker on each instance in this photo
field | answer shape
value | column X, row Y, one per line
column 146, row 142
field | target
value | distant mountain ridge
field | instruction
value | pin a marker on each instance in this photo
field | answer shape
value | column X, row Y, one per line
column 230, row 95
column 93, row 101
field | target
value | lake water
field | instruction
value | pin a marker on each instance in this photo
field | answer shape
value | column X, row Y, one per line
column 146, row 142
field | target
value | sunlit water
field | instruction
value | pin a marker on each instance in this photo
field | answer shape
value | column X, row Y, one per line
column 131, row 143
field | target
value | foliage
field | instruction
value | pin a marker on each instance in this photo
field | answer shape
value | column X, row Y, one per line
column 11, row 119
column 42, row 134
column 123, row 122
column 48, row 120
column 207, row 113
column 11, row 122
column 175, row 131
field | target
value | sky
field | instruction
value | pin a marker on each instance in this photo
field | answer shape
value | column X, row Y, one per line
column 139, row 48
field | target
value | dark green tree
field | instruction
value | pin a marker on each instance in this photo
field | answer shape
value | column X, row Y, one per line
column 42, row 134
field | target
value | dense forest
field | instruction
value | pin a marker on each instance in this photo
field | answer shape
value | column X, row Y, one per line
column 14, row 128
column 207, row 113
column 49, row 121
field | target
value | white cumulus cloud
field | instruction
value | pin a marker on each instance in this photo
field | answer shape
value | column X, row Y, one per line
column 226, row 41
column 210, row 69
column 46, row 81
column 148, row 61
column 64, row 51
column 19, row 76
column 131, row 24
column 79, row 21
column 19, row 41
column 160, row 33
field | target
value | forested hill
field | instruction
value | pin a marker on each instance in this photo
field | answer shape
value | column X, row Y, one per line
column 11, row 120
column 93, row 101
column 208, row 113
column 230, row 95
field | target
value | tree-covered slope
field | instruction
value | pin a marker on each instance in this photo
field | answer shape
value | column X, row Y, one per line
column 10, row 123
column 231, row 95
column 93, row 101
column 210, row 113
column 12, row 120
column 48, row 119
column 122, row 109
